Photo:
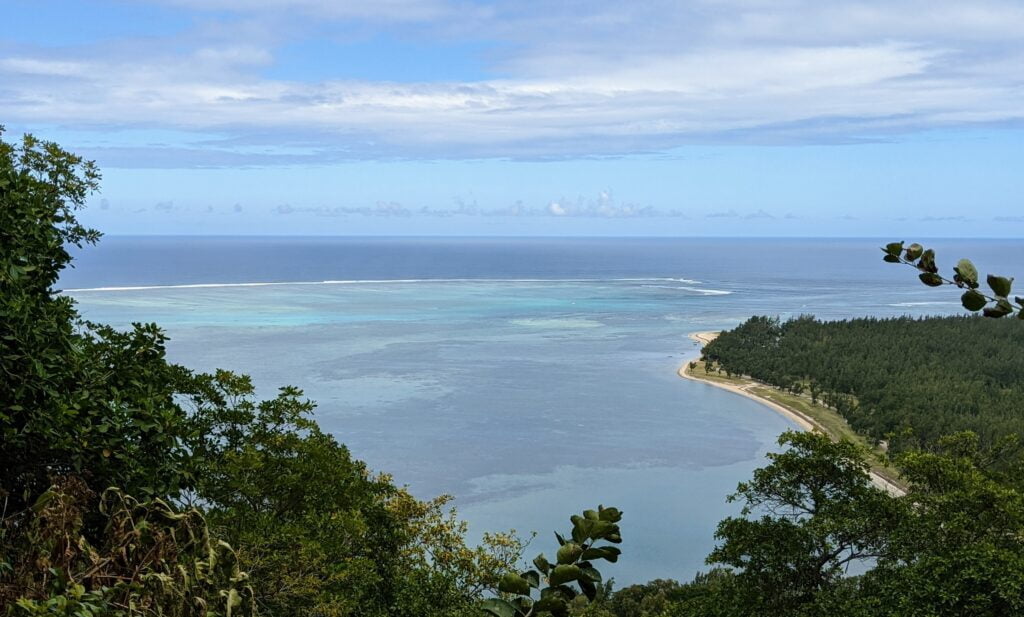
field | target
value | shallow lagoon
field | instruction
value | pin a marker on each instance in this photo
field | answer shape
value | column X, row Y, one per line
column 526, row 399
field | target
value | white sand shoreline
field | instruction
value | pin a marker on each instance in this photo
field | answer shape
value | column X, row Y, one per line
column 803, row 421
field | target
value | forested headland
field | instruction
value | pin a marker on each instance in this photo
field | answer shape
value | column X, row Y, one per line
column 905, row 380
column 132, row 486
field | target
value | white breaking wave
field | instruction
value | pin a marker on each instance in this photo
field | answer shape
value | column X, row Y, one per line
column 702, row 291
column 909, row 304
column 707, row 292
column 641, row 280
column 389, row 281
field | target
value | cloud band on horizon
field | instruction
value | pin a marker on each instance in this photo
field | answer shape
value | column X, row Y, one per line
column 610, row 81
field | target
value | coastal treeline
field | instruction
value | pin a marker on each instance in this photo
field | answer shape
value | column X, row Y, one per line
column 134, row 487
column 906, row 380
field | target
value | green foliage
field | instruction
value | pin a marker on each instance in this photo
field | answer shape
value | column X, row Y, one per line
column 573, row 568
column 959, row 550
column 74, row 397
column 149, row 559
column 816, row 513
column 654, row 598
column 996, row 305
column 101, row 408
column 311, row 523
column 908, row 381
column 952, row 546
column 83, row 408
column 318, row 532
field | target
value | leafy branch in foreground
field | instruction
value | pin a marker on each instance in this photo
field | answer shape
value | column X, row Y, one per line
column 148, row 559
column 574, row 564
column 966, row 277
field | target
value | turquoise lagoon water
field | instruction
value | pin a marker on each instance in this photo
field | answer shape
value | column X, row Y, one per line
column 528, row 378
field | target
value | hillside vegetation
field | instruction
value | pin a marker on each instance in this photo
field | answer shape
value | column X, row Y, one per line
column 907, row 380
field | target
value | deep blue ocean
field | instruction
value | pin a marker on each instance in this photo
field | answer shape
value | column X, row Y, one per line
column 530, row 378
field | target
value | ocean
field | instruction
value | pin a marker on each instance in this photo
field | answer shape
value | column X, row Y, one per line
column 530, row 378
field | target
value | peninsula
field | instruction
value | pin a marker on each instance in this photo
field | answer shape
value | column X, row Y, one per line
column 798, row 409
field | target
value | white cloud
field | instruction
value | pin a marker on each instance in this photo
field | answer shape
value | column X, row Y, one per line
column 397, row 10
column 615, row 79
column 604, row 206
column 233, row 55
column 41, row 67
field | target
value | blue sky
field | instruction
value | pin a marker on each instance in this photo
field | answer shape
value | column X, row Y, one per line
column 708, row 117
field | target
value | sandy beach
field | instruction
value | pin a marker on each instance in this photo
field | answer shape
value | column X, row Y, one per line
column 802, row 420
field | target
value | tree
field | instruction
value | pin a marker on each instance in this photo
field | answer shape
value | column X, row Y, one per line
column 84, row 408
column 959, row 550
column 819, row 515
column 74, row 397
column 952, row 546
column 907, row 381
column 319, row 533
column 653, row 598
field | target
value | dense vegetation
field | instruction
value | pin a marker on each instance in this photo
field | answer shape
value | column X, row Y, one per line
column 913, row 380
column 953, row 546
column 133, row 486
column 130, row 485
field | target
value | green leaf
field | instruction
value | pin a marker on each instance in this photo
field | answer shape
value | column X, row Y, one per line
column 892, row 259
column 523, row 604
column 565, row 591
column 589, row 589
column 927, row 262
column 967, row 272
column 513, row 583
column 569, row 552
column 532, row 577
column 610, row 553
column 612, row 515
column 542, row 563
column 973, row 301
column 603, row 529
column 580, row 528
column 894, row 248
column 914, row 251
column 498, row 607
column 591, row 574
column 930, row 279
column 552, row 603
column 1002, row 308
column 1000, row 285
column 43, row 499
column 564, row 574
column 233, row 600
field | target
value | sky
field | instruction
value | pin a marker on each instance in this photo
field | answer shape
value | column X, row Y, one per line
column 894, row 118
